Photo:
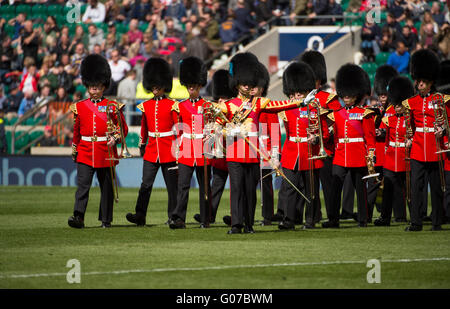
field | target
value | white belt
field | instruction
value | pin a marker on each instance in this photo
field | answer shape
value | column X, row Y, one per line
column 193, row 136
column 160, row 134
column 94, row 138
column 297, row 139
column 251, row 134
column 263, row 136
column 351, row 140
column 396, row 144
column 424, row 129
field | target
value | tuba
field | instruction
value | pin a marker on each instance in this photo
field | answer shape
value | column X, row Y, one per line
column 112, row 112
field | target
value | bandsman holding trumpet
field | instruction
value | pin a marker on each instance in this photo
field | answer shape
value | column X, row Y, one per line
column 97, row 130
column 303, row 126
column 354, row 135
column 157, row 139
column 425, row 139
column 394, row 168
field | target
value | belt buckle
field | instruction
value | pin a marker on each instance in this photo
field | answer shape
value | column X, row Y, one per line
column 425, row 129
column 397, row 144
column 346, row 140
column 94, row 138
column 156, row 134
column 298, row 139
column 192, row 136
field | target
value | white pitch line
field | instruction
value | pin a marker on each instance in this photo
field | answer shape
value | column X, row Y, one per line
column 119, row 272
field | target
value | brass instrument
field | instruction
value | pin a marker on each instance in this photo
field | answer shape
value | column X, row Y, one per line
column 112, row 109
column 318, row 125
column 441, row 121
column 409, row 136
column 371, row 168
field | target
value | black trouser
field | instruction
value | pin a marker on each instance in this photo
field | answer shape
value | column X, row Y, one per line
column 85, row 174
column 418, row 171
column 184, row 184
column 348, row 196
column 267, row 194
column 300, row 179
column 447, row 194
column 219, row 179
column 372, row 191
column 283, row 202
column 326, row 178
column 244, row 179
column 149, row 172
column 339, row 174
column 394, row 193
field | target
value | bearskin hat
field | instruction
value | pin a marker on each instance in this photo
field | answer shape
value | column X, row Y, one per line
column 317, row 63
column 400, row 88
column 243, row 69
column 298, row 77
column 351, row 80
column 157, row 73
column 383, row 76
column 95, row 70
column 193, row 72
column 443, row 82
column 264, row 78
column 424, row 65
column 220, row 85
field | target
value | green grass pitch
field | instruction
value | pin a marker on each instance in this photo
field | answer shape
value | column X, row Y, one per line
column 36, row 243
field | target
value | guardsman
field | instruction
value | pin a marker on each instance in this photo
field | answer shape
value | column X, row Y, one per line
column 400, row 88
column 94, row 140
column 329, row 101
column 221, row 93
column 302, row 144
column 193, row 75
column 242, row 114
column 383, row 75
column 157, row 138
column 424, row 67
column 354, row 135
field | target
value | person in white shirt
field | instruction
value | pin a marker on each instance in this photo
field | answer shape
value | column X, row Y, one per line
column 119, row 69
column 95, row 12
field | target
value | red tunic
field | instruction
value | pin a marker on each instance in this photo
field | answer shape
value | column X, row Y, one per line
column 329, row 101
column 89, row 132
column 191, row 118
column 354, row 135
column 381, row 140
column 394, row 159
column 158, row 131
column 422, row 123
column 295, row 149
column 238, row 149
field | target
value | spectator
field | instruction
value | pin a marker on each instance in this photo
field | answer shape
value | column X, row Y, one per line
column 79, row 37
column 367, row 5
column 370, row 33
column 119, row 68
column 410, row 23
column 44, row 73
column 13, row 100
column 126, row 91
column 50, row 29
column 134, row 34
column 63, row 46
column 112, row 10
column 110, row 44
column 197, row 46
column 409, row 38
column 436, row 13
column 394, row 25
column 400, row 58
column 2, row 97
column 334, row 8
column 297, row 8
column 3, row 141
column 95, row 37
column 147, row 49
column 62, row 96
column 68, row 135
column 18, row 24
column 211, row 29
column 398, row 10
column 264, row 11
column 443, row 40
column 26, row 104
column 386, row 43
column 428, row 39
column 219, row 12
column 42, row 99
column 95, row 12
column 30, row 40
column 243, row 17
column 49, row 140
column 319, row 7
column 170, row 30
column 124, row 45
column 230, row 31
column 98, row 49
column 30, row 80
column 417, row 8
column 176, row 9
column 427, row 19
column 7, row 56
column 65, row 80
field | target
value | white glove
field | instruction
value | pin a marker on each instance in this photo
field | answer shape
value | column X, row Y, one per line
column 310, row 97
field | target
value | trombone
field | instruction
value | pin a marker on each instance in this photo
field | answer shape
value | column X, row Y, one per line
column 441, row 120
column 113, row 111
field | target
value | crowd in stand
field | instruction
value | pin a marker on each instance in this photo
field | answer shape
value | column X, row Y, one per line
column 41, row 64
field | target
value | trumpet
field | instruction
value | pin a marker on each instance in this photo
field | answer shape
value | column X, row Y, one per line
column 112, row 109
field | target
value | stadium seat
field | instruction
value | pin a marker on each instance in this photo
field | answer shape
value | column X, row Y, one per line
column 12, row 121
column 382, row 58
column 132, row 139
column 35, row 134
column 121, row 28
column 143, row 27
column 7, row 9
column 39, row 9
column 54, row 10
column 369, row 67
column 8, row 141
column 20, row 142
column 23, row 8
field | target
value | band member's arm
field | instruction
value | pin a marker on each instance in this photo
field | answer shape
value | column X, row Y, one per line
column 385, row 126
column 270, row 106
column 369, row 131
column 143, row 137
column 76, row 131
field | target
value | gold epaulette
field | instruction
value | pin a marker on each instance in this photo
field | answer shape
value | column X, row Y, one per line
column 121, row 105
column 331, row 116
column 282, row 115
column 331, row 96
column 141, row 107
column 264, row 102
column 446, row 98
column 405, row 103
column 385, row 120
column 73, row 108
column 175, row 107
column 367, row 111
